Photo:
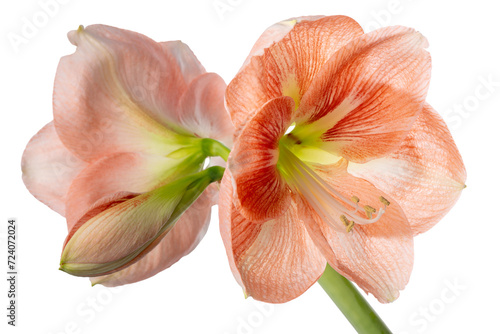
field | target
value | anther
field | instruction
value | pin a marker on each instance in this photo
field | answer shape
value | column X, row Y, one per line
column 355, row 199
column 384, row 201
column 369, row 211
column 350, row 227
column 349, row 224
column 344, row 220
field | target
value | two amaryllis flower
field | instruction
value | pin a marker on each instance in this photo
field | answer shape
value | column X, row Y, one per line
column 337, row 158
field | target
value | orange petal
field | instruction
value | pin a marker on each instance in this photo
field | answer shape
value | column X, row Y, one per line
column 274, row 34
column 260, row 189
column 118, row 92
column 274, row 262
column 202, row 109
column 130, row 172
column 287, row 67
column 179, row 242
column 378, row 257
column 365, row 99
column 49, row 168
column 425, row 175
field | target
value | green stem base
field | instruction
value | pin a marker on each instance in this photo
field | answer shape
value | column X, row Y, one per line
column 352, row 304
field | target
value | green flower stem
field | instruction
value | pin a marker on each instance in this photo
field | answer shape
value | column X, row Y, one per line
column 352, row 304
column 214, row 148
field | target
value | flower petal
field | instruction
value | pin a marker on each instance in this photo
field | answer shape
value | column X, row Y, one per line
column 275, row 33
column 365, row 99
column 287, row 67
column 118, row 92
column 49, row 168
column 130, row 172
column 274, row 262
column 425, row 175
column 202, row 109
column 186, row 62
column 378, row 257
column 179, row 242
column 261, row 191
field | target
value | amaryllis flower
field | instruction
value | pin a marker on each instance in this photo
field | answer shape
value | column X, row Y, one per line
column 134, row 121
column 337, row 158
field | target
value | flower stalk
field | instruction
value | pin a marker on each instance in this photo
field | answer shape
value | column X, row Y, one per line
column 352, row 304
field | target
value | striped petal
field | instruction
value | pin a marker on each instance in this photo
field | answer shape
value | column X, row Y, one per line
column 365, row 99
column 425, row 175
column 378, row 257
column 275, row 261
column 261, row 191
column 274, row 34
column 287, row 67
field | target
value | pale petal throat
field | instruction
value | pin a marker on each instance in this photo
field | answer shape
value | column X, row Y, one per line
column 338, row 211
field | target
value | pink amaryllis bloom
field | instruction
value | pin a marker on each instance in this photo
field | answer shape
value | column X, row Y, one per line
column 337, row 158
column 134, row 121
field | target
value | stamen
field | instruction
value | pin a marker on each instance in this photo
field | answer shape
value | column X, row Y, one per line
column 369, row 211
column 350, row 227
column 348, row 224
column 328, row 203
column 344, row 220
column 384, row 201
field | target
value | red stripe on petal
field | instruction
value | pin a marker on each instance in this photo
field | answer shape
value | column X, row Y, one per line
column 261, row 191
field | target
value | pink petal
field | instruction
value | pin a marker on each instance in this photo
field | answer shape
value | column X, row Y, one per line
column 378, row 257
column 425, row 175
column 119, row 92
column 179, row 242
column 130, row 172
column 366, row 98
column 202, row 109
column 274, row 262
column 183, row 61
column 287, row 67
column 49, row 168
column 260, row 189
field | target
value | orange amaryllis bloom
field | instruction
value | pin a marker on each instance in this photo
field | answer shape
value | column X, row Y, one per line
column 337, row 158
column 134, row 121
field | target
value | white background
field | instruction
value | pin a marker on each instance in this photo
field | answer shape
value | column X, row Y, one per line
column 199, row 294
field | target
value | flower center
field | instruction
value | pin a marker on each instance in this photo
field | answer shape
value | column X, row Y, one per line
column 339, row 212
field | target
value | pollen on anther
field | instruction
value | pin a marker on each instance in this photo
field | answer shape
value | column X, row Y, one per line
column 349, row 224
column 355, row 199
column 344, row 220
column 384, row 201
column 369, row 211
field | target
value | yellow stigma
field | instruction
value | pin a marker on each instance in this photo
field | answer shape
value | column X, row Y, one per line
column 384, row 201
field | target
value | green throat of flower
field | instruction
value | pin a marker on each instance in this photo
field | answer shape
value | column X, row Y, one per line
column 340, row 212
